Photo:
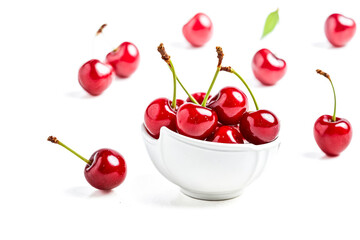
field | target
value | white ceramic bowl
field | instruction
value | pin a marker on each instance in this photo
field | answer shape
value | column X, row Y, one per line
column 207, row 170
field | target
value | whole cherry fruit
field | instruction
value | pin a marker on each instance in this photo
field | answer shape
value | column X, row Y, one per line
column 339, row 29
column 332, row 134
column 160, row 114
column 229, row 104
column 95, row 76
column 332, row 137
column 195, row 121
column 268, row 68
column 226, row 134
column 124, row 59
column 198, row 30
column 106, row 168
column 259, row 127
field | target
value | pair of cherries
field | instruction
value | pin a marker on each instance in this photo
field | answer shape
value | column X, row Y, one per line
column 96, row 76
column 223, row 118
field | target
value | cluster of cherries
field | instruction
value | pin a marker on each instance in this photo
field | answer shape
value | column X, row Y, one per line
column 223, row 118
column 96, row 76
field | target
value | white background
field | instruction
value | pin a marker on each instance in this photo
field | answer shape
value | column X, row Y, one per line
column 301, row 195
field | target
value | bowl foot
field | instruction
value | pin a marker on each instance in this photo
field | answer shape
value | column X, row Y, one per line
column 211, row 196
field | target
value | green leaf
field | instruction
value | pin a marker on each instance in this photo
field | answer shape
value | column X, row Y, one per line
column 270, row 23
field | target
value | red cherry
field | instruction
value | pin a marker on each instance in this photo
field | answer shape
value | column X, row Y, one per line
column 124, row 59
column 106, row 168
column 95, row 76
column 259, row 127
column 332, row 136
column 339, row 29
column 196, row 121
column 229, row 104
column 158, row 114
column 267, row 68
column 199, row 97
column 226, row 134
column 198, row 30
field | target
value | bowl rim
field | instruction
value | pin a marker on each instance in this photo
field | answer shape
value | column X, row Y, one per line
column 208, row 145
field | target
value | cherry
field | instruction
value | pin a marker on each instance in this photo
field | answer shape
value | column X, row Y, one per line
column 199, row 97
column 339, row 29
column 159, row 113
column 268, row 68
column 195, row 121
column 229, row 104
column 332, row 134
column 106, row 168
column 124, row 59
column 226, row 134
column 260, row 126
column 95, row 76
column 198, row 30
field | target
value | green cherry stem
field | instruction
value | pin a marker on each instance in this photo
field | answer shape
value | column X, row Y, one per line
column 166, row 58
column 220, row 58
column 231, row 70
column 56, row 141
column 211, row 86
column 173, row 105
column 332, row 85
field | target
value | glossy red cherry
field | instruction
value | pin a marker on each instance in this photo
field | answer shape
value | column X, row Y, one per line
column 106, row 168
column 332, row 137
column 195, row 121
column 229, row 104
column 199, row 97
column 268, row 68
column 124, row 59
column 95, row 76
column 158, row 114
column 259, row 127
column 339, row 29
column 226, row 134
column 198, row 30
column 332, row 134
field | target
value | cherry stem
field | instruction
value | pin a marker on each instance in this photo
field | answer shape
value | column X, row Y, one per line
column 56, row 141
column 220, row 57
column 100, row 30
column 166, row 58
column 173, row 105
column 231, row 70
column 332, row 85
